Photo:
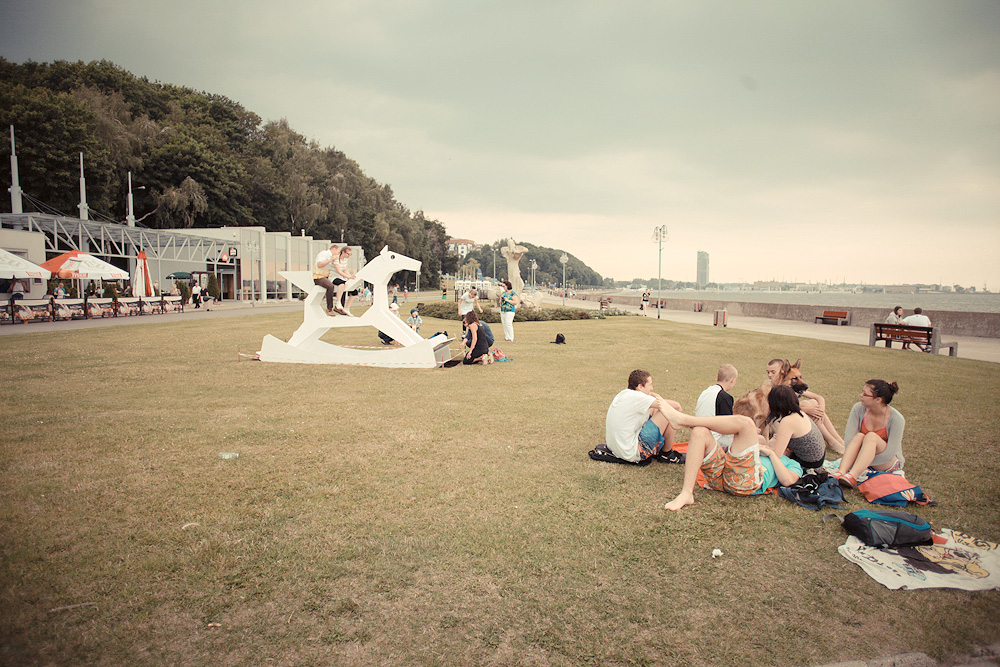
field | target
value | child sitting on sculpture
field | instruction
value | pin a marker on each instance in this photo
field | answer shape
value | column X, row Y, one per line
column 748, row 468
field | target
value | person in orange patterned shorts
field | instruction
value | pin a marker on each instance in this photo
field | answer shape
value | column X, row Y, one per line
column 748, row 468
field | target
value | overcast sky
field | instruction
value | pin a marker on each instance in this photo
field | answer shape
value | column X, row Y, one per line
column 795, row 140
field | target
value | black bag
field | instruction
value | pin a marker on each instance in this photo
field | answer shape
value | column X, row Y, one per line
column 560, row 339
column 887, row 528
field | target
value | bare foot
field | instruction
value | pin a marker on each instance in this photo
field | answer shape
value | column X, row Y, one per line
column 683, row 499
column 671, row 413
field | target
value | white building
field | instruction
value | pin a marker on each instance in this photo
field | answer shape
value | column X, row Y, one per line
column 245, row 260
column 461, row 247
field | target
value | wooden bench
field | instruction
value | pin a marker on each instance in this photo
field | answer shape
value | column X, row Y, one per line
column 834, row 317
column 927, row 338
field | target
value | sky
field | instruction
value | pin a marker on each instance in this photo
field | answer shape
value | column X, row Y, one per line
column 792, row 140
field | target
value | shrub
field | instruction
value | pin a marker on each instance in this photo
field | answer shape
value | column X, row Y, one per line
column 213, row 287
column 448, row 310
column 184, row 290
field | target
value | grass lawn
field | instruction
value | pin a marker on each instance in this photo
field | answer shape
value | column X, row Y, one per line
column 447, row 516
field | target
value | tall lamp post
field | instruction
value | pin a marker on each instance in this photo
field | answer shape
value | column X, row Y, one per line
column 659, row 236
column 130, row 215
column 563, row 260
column 534, row 265
column 252, row 247
column 495, row 262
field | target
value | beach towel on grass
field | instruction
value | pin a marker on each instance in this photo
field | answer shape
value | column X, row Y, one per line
column 891, row 488
column 955, row 560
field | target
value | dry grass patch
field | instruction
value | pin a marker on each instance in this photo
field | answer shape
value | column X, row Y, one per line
column 443, row 517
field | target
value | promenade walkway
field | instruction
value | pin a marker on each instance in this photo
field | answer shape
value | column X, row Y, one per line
column 969, row 347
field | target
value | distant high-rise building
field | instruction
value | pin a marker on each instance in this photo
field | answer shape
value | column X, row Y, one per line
column 702, row 269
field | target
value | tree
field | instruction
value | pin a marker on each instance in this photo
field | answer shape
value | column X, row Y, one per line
column 52, row 129
column 184, row 203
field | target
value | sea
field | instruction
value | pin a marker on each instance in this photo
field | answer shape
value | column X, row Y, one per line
column 978, row 302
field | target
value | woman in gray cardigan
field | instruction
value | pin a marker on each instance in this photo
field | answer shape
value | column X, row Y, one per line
column 874, row 434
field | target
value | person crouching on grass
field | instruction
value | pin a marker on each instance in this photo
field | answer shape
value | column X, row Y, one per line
column 748, row 468
column 479, row 346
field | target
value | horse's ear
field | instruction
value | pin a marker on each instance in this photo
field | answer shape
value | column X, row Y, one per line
column 797, row 364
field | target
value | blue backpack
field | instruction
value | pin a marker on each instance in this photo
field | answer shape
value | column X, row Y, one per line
column 887, row 528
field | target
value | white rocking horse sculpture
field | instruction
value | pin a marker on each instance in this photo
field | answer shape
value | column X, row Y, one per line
column 305, row 346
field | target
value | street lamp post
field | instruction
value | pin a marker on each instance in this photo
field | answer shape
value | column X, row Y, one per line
column 534, row 265
column 130, row 215
column 252, row 247
column 563, row 260
column 659, row 236
column 495, row 262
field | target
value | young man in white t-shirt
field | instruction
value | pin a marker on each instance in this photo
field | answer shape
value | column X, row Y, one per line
column 636, row 429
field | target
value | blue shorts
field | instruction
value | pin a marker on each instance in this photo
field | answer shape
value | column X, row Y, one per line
column 650, row 440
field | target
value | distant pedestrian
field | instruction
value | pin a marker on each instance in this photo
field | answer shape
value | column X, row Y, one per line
column 196, row 295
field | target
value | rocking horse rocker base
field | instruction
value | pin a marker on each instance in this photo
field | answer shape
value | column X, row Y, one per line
column 305, row 346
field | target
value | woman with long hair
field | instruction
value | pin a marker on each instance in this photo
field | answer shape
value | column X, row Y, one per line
column 479, row 347
column 793, row 431
column 874, row 434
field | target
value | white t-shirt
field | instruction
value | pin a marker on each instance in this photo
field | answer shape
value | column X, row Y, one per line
column 466, row 303
column 626, row 415
column 920, row 320
column 322, row 271
column 706, row 408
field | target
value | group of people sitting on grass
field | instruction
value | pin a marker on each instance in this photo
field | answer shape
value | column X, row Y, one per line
column 735, row 456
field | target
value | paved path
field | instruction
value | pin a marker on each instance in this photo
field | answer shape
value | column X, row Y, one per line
column 225, row 309
column 969, row 347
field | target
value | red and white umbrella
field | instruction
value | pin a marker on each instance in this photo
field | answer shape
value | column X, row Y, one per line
column 12, row 266
column 78, row 264
column 141, row 284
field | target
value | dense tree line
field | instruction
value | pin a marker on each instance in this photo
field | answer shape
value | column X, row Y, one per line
column 549, row 271
column 201, row 160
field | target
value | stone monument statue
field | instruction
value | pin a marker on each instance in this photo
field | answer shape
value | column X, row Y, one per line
column 514, row 253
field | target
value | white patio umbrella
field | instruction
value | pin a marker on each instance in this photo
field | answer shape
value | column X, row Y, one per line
column 141, row 284
column 83, row 266
column 12, row 266
column 78, row 264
